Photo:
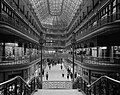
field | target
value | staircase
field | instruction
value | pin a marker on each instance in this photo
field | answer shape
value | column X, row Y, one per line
column 56, row 84
column 59, row 85
column 57, row 92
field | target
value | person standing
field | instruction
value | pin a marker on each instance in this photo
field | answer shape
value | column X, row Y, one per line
column 43, row 72
column 63, row 73
column 75, row 74
column 71, row 75
column 67, row 75
column 61, row 67
column 47, row 76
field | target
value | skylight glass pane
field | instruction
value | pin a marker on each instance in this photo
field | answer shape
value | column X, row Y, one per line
column 55, row 13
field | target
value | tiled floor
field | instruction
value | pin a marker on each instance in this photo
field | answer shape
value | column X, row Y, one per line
column 55, row 73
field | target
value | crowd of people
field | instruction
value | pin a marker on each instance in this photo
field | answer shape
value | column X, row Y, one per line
column 69, row 74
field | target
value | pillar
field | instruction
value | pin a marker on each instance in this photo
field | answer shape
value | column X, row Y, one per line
column 23, row 49
column 109, row 52
column 18, row 4
column 97, row 51
column 112, row 54
column 3, row 53
column 118, row 9
column 25, row 46
column 92, row 4
column 111, row 12
column 0, row 8
column 90, row 51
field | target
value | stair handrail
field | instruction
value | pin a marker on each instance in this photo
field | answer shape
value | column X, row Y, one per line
column 10, row 80
column 90, row 85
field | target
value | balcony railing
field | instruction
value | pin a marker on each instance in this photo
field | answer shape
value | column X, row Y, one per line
column 56, row 55
column 18, row 60
column 18, row 86
column 97, row 60
column 107, row 19
column 16, row 24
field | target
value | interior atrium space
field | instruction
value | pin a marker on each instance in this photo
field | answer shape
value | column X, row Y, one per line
column 59, row 47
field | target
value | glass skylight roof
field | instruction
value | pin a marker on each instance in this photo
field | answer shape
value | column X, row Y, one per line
column 55, row 13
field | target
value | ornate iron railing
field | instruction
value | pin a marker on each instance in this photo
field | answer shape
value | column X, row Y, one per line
column 6, row 19
column 57, row 55
column 97, row 60
column 18, row 86
column 57, row 85
column 102, row 86
column 18, row 60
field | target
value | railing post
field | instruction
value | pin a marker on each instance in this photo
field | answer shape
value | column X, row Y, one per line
column 34, row 84
column 107, row 87
column 0, row 10
column 84, row 86
column 31, row 86
column 94, row 90
column 5, row 89
column 99, row 87
column 16, row 87
column 89, row 81
column 21, row 85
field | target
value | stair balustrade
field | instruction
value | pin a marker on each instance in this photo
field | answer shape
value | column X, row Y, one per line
column 18, row 86
column 102, row 86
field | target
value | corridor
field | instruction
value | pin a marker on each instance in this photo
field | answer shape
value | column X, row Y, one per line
column 55, row 74
column 57, row 77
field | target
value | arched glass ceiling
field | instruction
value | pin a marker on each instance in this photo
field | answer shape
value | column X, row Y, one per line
column 55, row 14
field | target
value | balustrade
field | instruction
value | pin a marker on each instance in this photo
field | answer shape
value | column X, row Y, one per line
column 102, row 86
column 97, row 60
column 18, row 86
column 5, row 18
column 57, row 84
column 18, row 60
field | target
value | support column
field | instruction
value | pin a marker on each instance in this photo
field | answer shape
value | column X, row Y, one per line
column 108, row 53
column 23, row 49
column 30, row 52
column 18, row 4
column 24, row 9
column 0, row 8
column 90, row 51
column 111, row 12
column 118, row 9
column 3, row 53
column 97, row 51
column 112, row 54
column 92, row 4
